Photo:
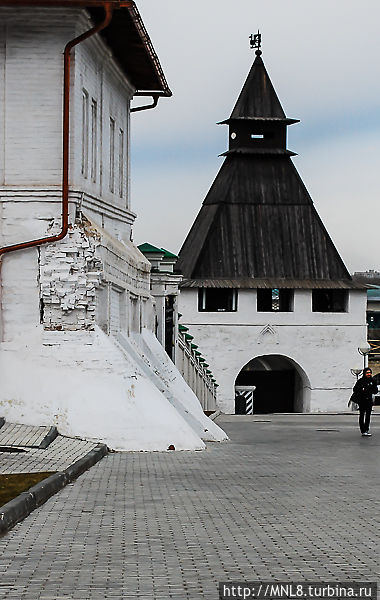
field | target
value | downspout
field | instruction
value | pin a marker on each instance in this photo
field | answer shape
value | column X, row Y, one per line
column 66, row 135
column 155, row 98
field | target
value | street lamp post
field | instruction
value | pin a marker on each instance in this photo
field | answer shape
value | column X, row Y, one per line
column 364, row 349
column 356, row 371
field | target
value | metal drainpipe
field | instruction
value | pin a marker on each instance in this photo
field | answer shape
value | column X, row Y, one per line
column 155, row 98
column 66, row 135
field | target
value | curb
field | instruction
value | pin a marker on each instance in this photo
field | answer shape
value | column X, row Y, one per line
column 17, row 509
column 49, row 438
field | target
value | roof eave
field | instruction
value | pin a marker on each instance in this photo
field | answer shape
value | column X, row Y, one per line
column 260, row 151
column 273, row 283
column 285, row 120
column 156, row 84
column 152, row 55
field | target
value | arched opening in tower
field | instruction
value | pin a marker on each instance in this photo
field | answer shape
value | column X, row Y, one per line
column 271, row 384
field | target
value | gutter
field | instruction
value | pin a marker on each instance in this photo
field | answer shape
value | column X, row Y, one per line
column 155, row 98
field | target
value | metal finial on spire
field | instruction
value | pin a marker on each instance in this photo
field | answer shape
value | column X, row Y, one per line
column 255, row 41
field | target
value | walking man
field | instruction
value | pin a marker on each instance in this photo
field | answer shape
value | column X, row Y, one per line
column 363, row 389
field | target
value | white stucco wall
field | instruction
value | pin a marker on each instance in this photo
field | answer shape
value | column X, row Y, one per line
column 31, row 97
column 63, row 304
column 322, row 346
column 82, row 383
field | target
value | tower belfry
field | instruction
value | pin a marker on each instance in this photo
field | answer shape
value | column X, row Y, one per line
column 258, row 220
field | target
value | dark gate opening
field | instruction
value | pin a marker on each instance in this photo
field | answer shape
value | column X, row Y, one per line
column 269, row 384
column 274, row 391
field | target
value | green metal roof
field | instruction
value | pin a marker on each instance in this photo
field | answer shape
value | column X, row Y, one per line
column 183, row 328
column 146, row 248
column 188, row 336
column 168, row 254
column 374, row 293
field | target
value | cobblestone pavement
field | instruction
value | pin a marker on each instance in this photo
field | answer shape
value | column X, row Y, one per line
column 290, row 497
column 60, row 454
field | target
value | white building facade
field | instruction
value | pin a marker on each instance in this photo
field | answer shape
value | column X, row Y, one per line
column 77, row 344
column 319, row 348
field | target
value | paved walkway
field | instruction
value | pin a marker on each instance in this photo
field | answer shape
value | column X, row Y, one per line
column 295, row 498
column 60, row 454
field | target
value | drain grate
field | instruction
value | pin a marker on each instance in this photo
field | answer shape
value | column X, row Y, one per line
column 325, row 429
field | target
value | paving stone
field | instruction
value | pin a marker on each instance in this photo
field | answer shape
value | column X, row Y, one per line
column 59, row 455
column 14, row 434
column 280, row 501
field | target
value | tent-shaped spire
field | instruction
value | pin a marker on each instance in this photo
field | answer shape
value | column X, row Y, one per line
column 258, row 98
column 258, row 225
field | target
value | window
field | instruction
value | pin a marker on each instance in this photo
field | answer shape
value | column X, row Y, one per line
column 85, row 133
column 329, row 300
column 275, row 300
column 112, row 155
column 373, row 320
column 94, row 138
column 217, row 300
column 121, row 163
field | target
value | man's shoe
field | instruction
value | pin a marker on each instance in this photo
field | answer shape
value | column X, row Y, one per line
column 368, row 433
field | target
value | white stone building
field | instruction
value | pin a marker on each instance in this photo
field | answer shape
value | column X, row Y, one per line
column 265, row 291
column 177, row 340
column 77, row 344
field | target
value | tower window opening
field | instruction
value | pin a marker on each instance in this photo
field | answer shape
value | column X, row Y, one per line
column 275, row 300
column 257, row 136
column 330, row 300
column 217, row 300
column 233, row 135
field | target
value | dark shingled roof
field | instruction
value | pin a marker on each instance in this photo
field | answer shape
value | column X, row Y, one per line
column 126, row 36
column 258, row 221
column 131, row 46
column 258, row 98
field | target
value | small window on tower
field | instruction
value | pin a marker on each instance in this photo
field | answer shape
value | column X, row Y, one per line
column 330, row 300
column 257, row 136
column 274, row 300
column 217, row 300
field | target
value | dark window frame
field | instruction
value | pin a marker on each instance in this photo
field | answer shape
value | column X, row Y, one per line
column 217, row 300
column 266, row 300
column 329, row 300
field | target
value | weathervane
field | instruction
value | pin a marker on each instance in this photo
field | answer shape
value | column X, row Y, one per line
column 255, row 40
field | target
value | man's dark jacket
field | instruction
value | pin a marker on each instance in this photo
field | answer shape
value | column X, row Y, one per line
column 363, row 389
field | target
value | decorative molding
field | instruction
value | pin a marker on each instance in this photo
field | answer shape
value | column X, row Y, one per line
column 270, row 333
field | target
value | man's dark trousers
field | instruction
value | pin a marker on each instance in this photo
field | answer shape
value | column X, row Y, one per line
column 365, row 409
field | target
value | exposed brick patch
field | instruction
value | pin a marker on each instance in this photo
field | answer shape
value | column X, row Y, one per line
column 70, row 272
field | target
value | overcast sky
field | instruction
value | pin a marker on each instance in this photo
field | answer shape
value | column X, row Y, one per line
column 323, row 60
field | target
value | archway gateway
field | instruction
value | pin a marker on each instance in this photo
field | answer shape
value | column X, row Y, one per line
column 271, row 384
